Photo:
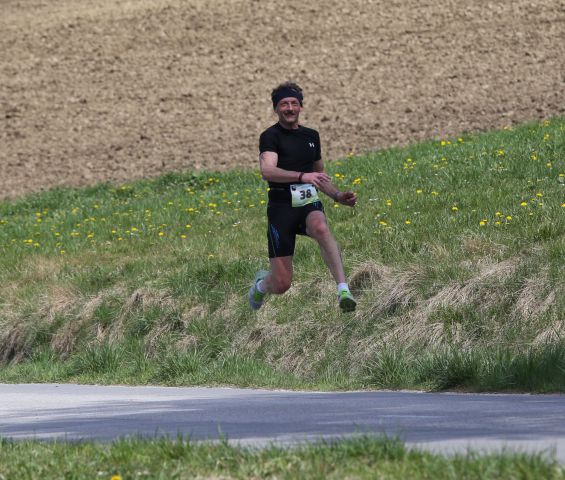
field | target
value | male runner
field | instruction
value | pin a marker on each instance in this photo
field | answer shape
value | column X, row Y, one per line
column 291, row 161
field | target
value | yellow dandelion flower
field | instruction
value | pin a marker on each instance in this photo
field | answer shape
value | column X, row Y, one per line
column 161, row 234
column 533, row 156
column 183, row 236
column 357, row 181
column 523, row 204
column 407, row 222
column 419, row 190
column 188, row 225
column 454, row 208
column 383, row 223
column 434, row 193
column 389, row 203
column 482, row 223
column 116, row 477
column 62, row 252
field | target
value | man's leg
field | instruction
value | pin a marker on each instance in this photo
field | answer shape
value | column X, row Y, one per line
column 280, row 277
column 277, row 281
column 317, row 228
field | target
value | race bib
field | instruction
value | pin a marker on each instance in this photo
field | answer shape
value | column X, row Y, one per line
column 303, row 194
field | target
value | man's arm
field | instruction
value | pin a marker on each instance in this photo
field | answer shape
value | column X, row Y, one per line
column 271, row 173
column 346, row 198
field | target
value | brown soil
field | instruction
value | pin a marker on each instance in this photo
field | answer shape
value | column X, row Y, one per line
column 115, row 90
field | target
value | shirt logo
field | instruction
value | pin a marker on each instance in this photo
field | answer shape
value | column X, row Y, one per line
column 312, row 144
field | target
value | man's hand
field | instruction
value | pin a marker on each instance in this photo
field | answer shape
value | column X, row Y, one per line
column 346, row 198
column 318, row 179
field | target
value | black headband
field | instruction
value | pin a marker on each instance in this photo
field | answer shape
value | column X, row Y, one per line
column 284, row 93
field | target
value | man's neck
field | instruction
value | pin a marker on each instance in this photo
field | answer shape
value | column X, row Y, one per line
column 289, row 126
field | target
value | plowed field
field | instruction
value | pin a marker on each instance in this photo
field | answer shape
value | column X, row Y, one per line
column 118, row 90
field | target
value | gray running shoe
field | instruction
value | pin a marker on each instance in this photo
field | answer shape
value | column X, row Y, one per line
column 256, row 298
column 346, row 301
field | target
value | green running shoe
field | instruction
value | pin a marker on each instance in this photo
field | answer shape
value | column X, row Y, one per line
column 256, row 298
column 346, row 301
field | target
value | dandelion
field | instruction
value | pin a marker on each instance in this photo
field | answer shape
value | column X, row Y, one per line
column 383, row 223
column 188, row 225
column 434, row 193
column 483, row 223
column 161, row 234
column 454, row 208
column 508, row 217
column 407, row 222
column 523, row 204
column 183, row 236
column 418, row 190
column 116, row 477
column 357, row 181
column 389, row 203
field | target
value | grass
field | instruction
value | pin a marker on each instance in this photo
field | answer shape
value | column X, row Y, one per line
column 455, row 253
column 359, row 458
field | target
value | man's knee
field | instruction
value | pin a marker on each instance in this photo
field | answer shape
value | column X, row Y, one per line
column 319, row 230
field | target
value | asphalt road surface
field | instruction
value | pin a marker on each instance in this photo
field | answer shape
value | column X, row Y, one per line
column 439, row 422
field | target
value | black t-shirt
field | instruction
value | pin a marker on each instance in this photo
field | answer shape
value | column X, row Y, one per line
column 297, row 149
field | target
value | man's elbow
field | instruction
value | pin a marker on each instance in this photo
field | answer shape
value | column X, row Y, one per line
column 265, row 174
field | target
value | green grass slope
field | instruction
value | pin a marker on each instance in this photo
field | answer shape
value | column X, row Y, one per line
column 455, row 253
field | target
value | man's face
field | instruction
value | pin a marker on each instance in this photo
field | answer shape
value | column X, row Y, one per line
column 288, row 110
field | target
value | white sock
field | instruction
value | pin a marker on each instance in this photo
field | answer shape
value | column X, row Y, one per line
column 259, row 286
column 342, row 286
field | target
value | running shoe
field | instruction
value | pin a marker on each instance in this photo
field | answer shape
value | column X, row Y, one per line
column 346, row 301
column 256, row 298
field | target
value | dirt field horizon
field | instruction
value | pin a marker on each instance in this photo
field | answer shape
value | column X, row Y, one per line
column 117, row 91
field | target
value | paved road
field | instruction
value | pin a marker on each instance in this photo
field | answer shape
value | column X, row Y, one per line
column 442, row 422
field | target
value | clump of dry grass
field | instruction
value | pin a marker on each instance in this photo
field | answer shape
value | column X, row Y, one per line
column 414, row 327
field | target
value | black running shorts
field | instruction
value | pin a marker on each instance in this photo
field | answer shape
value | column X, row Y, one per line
column 285, row 222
